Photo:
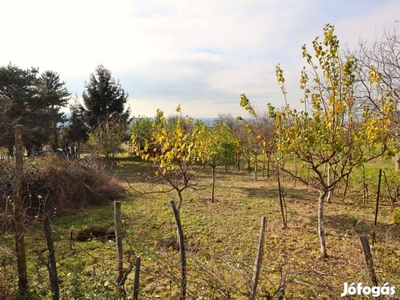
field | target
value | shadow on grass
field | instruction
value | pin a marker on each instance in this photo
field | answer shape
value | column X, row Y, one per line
column 290, row 194
column 344, row 224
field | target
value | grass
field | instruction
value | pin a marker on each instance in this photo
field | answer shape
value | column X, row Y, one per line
column 221, row 240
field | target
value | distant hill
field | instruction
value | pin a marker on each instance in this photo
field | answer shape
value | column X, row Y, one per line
column 207, row 121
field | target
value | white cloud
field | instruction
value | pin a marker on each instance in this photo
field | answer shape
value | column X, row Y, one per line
column 202, row 54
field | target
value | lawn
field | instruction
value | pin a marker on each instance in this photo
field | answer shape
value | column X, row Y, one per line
column 221, row 239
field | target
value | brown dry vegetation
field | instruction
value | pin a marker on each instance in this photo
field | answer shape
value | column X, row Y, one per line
column 58, row 186
column 221, row 240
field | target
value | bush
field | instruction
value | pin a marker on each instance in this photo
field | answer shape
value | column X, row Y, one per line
column 59, row 185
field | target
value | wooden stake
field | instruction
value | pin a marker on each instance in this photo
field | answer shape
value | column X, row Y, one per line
column 136, row 280
column 51, row 265
column 377, row 207
column 258, row 261
column 18, row 215
column 118, row 240
column 368, row 259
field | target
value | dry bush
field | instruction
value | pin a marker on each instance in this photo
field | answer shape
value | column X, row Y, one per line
column 59, row 185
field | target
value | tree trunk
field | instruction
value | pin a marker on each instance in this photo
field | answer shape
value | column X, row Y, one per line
column 182, row 250
column 255, row 167
column 365, row 187
column 180, row 200
column 321, row 229
column 328, row 176
column 213, row 183
column 346, row 186
column 282, row 202
column 397, row 162
column 392, row 199
column 263, row 167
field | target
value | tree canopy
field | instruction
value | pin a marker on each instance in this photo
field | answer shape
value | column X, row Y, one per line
column 54, row 95
column 33, row 102
column 141, row 128
column 172, row 150
column 104, row 99
column 333, row 134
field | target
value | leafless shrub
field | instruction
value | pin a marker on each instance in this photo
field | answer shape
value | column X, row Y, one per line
column 58, row 185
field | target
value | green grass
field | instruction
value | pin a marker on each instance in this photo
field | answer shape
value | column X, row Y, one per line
column 221, row 240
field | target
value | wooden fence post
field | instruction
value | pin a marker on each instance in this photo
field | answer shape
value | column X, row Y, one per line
column 258, row 261
column 118, row 240
column 365, row 189
column 377, row 206
column 136, row 280
column 51, row 265
column 18, row 215
column 181, row 249
column 368, row 259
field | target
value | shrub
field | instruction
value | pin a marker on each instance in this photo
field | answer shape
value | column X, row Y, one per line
column 59, row 185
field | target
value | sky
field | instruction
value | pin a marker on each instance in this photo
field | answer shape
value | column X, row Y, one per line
column 200, row 54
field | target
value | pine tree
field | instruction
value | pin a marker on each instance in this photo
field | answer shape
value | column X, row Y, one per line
column 104, row 100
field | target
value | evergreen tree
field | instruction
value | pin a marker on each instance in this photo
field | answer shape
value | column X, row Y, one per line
column 53, row 96
column 104, row 111
column 104, row 100
column 33, row 102
column 18, row 88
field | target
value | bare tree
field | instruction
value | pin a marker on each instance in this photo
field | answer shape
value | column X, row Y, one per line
column 382, row 58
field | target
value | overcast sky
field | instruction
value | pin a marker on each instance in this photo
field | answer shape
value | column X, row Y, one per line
column 201, row 54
